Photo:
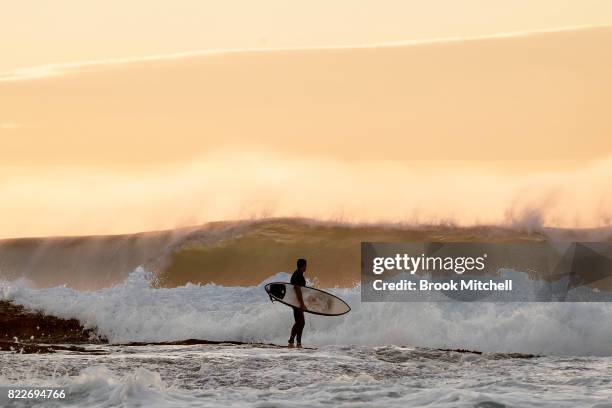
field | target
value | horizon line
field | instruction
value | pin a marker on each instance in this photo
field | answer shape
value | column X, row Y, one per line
column 65, row 68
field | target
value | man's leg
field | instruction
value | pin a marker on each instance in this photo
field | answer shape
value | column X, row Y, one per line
column 300, row 322
column 294, row 329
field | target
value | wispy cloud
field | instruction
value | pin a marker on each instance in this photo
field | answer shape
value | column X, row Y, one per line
column 48, row 70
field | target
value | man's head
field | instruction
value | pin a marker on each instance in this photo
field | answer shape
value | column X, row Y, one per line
column 301, row 265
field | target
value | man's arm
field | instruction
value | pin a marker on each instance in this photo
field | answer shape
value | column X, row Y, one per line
column 298, row 292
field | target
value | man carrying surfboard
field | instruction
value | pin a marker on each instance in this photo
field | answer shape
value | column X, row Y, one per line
column 298, row 280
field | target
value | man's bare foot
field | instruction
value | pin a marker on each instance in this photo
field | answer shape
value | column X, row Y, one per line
column 299, row 345
column 290, row 345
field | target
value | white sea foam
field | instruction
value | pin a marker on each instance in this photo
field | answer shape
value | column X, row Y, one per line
column 134, row 311
column 244, row 376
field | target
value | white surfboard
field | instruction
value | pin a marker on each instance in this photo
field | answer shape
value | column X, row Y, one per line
column 316, row 301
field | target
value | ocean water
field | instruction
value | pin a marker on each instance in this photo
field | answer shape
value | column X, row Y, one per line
column 380, row 354
column 357, row 376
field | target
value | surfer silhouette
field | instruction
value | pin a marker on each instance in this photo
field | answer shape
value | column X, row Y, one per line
column 298, row 280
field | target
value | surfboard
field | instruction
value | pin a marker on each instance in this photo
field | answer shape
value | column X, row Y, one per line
column 316, row 301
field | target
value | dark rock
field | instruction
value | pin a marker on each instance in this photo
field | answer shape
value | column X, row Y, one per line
column 22, row 326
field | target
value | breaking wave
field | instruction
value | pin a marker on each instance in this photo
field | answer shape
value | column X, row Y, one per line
column 239, row 253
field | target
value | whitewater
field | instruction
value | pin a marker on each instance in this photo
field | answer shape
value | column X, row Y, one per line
column 383, row 354
column 135, row 311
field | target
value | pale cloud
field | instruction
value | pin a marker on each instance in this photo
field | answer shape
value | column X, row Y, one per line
column 10, row 125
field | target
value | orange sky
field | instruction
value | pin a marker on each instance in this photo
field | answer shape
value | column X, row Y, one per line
column 486, row 129
column 498, row 98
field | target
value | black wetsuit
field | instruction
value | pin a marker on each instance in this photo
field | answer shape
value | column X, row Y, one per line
column 296, row 331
